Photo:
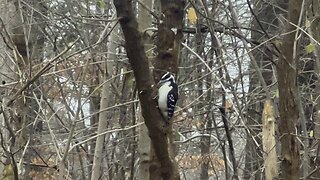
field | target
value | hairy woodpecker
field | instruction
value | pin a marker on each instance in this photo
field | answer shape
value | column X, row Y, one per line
column 168, row 96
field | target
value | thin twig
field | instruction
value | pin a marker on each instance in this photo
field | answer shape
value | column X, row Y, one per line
column 104, row 133
column 38, row 74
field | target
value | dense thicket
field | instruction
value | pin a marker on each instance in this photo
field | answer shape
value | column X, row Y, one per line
column 79, row 87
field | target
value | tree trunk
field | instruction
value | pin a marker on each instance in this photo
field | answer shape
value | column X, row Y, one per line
column 269, row 141
column 8, row 75
column 144, row 144
column 287, row 84
column 313, row 13
column 264, row 21
column 103, row 116
column 146, row 86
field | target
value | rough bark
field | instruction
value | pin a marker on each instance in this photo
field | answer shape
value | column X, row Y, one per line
column 146, row 87
column 269, row 141
column 168, row 42
column 313, row 13
column 169, row 38
column 287, row 84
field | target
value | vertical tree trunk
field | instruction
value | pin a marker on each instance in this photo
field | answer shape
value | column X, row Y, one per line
column 144, row 144
column 94, row 120
column 169, row 37
column 126, row 95
column 264, row 20
column 314, row 19
column 269, row 141
column 103, row 116
column 287, row 84
column 7, row 76
column 145, row 83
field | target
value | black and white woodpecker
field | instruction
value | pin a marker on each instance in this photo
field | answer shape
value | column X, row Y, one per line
column 168, row 96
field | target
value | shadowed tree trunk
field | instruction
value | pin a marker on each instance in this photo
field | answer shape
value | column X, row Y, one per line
column 287, row 84
column 145, row 84
column 253, row 153
column 314, row 19
column 265, row 20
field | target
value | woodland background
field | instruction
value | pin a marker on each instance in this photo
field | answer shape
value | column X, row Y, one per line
column 78, row 87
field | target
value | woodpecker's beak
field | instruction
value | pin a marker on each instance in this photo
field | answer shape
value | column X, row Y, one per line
column 159, row 84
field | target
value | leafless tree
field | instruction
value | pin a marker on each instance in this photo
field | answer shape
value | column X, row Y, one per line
column 79, row 96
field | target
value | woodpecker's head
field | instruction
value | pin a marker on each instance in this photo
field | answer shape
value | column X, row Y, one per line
column 166, row 77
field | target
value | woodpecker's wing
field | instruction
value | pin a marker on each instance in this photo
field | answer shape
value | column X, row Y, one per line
column 172, row 100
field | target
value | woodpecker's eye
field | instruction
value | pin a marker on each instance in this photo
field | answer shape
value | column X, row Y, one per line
column 166, row 76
